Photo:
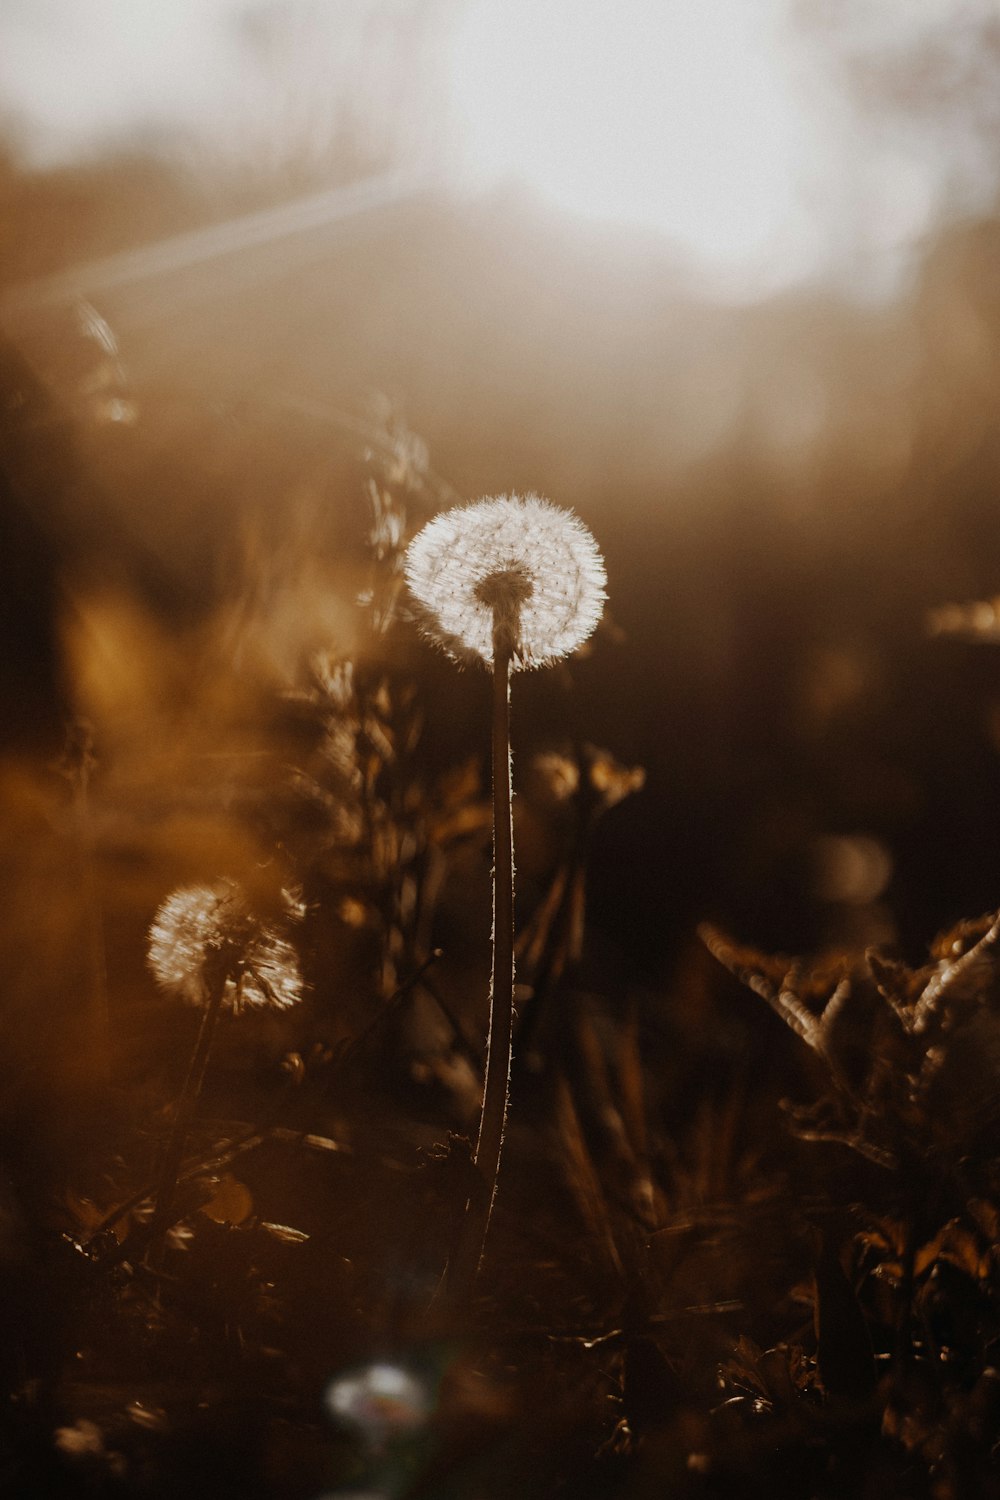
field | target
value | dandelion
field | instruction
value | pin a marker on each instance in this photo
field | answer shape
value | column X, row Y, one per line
column 517, row 583
column 208, row 949
column 521, row 562
column 204, row 934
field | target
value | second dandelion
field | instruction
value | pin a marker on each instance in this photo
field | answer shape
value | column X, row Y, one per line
column 515, row 582
column 209, row 949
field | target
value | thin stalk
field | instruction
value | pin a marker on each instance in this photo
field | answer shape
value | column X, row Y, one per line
column 904, row 1326
column 496, row 1087
column 186, row 1104
column 78, row 763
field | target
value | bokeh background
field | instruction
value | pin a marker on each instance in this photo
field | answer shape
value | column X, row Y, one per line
column 723, row 278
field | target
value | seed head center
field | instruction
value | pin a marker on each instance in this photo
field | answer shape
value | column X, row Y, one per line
column 505, row 590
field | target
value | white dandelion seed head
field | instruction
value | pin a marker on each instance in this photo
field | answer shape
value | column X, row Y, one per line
column 532, row 564
column 206, row 933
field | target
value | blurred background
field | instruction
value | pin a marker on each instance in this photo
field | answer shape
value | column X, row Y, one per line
column 723, row 277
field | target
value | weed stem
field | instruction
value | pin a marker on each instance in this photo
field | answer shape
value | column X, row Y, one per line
column 496, row 1087
column 186, row 1104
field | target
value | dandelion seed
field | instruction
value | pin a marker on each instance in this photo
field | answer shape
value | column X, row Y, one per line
column 207, row 934
column 522, row 556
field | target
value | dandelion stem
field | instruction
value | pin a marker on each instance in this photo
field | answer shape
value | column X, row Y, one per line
column 498, row 1046
column 186, row 1104
column 496, row 1086
column 907, row 1281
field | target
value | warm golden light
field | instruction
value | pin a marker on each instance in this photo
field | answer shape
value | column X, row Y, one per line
column 680, row 118
column 737, row 130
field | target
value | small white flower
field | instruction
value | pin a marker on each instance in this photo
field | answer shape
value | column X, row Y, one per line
column 203, row 933
column 522, row 560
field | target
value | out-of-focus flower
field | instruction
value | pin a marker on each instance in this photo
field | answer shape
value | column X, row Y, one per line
column 382, row 1400
column 388, row 522
column 557, row 777
column 340, row 746
column 82, row 1438
column 971, row 622
column 334, row 674
column 530, row 564
column 594, row 780
column 86, row 367
column 203, row 935
column 611, row 781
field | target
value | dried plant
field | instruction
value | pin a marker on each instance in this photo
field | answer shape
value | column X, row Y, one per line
column 576, row 791
column 890, row 1036
column 911, row 1059
column 372, row 832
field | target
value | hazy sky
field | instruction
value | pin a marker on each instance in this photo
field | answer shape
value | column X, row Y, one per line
column 728, row 125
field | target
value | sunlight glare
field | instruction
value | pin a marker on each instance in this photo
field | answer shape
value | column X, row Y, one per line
column 676, row 117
